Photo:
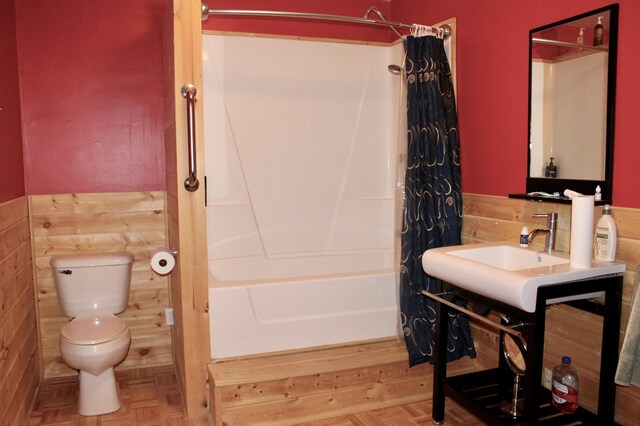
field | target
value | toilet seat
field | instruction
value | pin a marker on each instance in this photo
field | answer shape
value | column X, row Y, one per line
column 93, row 329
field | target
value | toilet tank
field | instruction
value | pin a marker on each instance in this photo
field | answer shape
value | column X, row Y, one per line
column 92, row 283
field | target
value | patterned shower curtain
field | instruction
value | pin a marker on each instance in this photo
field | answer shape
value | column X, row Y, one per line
column 433, row 198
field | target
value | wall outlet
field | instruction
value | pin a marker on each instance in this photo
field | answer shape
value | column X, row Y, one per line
column 546, row 380
column 168, row 316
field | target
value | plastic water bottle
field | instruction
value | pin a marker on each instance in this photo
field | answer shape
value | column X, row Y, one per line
column 564, row 388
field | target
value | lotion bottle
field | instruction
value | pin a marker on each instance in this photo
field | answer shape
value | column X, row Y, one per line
column 598, row 32
column 606, row 234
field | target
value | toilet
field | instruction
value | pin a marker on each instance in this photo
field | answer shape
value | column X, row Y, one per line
column 91, row 289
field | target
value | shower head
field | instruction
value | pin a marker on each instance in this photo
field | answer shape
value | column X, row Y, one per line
column 381, row 16
column 394, row 69
column 376, row 11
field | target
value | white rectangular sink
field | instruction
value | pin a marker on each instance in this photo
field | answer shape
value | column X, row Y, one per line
column 508, row 273
column 507, row 257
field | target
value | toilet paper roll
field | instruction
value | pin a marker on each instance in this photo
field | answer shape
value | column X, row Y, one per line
column 581, row 231
column 162, row 260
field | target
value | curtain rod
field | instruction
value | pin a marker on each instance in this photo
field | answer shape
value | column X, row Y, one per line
column 443, row 31
column 569, row 44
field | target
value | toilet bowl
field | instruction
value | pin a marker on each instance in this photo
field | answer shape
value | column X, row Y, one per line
column 91, row 289
column 94, row 344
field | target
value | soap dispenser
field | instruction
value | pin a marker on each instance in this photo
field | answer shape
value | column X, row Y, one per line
column 598, row 32
column 551, row 170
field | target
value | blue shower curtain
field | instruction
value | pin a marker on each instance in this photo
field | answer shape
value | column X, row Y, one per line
column 433, row 198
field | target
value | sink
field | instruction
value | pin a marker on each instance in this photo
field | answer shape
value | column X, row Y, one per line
column 508, row 257
column 509, row 273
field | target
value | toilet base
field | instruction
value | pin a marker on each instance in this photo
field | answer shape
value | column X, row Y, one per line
column 98, row 394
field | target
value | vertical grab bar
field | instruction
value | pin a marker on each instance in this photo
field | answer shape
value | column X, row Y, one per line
column 189, row 91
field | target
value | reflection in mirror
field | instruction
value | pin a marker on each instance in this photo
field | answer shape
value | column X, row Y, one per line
column 572, row 94
column 568, row 100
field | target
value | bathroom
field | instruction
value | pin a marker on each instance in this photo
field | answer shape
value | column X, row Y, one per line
column 89, row 127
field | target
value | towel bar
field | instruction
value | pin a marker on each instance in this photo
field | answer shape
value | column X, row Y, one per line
column 506, row 329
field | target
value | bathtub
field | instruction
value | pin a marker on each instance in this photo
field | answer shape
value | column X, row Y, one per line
column 259, row 305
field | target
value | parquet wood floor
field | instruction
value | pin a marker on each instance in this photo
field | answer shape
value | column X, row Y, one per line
column 151, row 397
column 418, row 413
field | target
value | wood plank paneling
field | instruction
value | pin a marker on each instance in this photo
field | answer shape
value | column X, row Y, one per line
column 306, row 385
column 20, row 370
column 99, row 223
column 568, row 331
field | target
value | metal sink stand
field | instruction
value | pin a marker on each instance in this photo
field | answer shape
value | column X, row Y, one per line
column 478, row 392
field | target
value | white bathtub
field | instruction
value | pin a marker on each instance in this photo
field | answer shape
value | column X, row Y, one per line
column 329, row 300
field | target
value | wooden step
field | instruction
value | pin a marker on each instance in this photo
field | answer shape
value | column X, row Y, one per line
column 312, row 384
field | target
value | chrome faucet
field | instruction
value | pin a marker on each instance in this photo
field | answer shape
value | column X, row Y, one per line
column 552, row 224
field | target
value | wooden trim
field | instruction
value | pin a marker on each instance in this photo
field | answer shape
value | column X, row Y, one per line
column 189, row 286
column 35, row 287
column 20, row 360
column 453, row 60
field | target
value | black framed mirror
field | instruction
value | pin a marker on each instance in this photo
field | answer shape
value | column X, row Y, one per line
column 572, row 86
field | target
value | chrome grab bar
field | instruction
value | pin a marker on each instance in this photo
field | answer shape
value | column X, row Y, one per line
column 189, row 91
column 506, row 329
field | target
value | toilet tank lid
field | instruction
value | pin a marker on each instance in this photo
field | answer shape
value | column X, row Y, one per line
column 94, row 259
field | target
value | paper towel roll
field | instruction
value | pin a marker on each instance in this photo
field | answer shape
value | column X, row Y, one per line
column 162, row 260
column 581, row 231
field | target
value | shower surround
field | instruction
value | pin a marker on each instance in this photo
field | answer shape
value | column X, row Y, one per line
column 301, row 165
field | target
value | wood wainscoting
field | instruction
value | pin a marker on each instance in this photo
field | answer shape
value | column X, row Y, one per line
column 19, row 358
column 319, row 383
column 568, row 331
column 95, row 223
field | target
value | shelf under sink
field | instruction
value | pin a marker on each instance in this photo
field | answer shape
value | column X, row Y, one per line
column 480, row 393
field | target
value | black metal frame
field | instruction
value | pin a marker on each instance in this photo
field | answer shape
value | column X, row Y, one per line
column 533, row 332
column 552, row 185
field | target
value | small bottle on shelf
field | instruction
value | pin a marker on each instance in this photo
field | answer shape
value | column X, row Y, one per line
column 598, row 32
column 551, row 170
column 581, row 36
column 564, row 387
column 524, row 237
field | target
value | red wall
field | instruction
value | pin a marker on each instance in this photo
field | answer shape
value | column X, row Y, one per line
column 493, row 81
column 91, row 85
column 11, row 171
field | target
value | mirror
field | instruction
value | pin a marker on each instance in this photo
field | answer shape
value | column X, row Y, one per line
column 513, row 351
column 572, row 80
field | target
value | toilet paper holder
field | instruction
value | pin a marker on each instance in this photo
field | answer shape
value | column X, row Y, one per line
column 174, row 253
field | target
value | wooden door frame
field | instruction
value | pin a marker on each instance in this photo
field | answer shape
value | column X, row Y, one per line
column 186, row 210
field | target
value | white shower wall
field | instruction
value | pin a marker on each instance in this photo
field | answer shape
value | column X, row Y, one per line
column 300, row 146
column 563, row 95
